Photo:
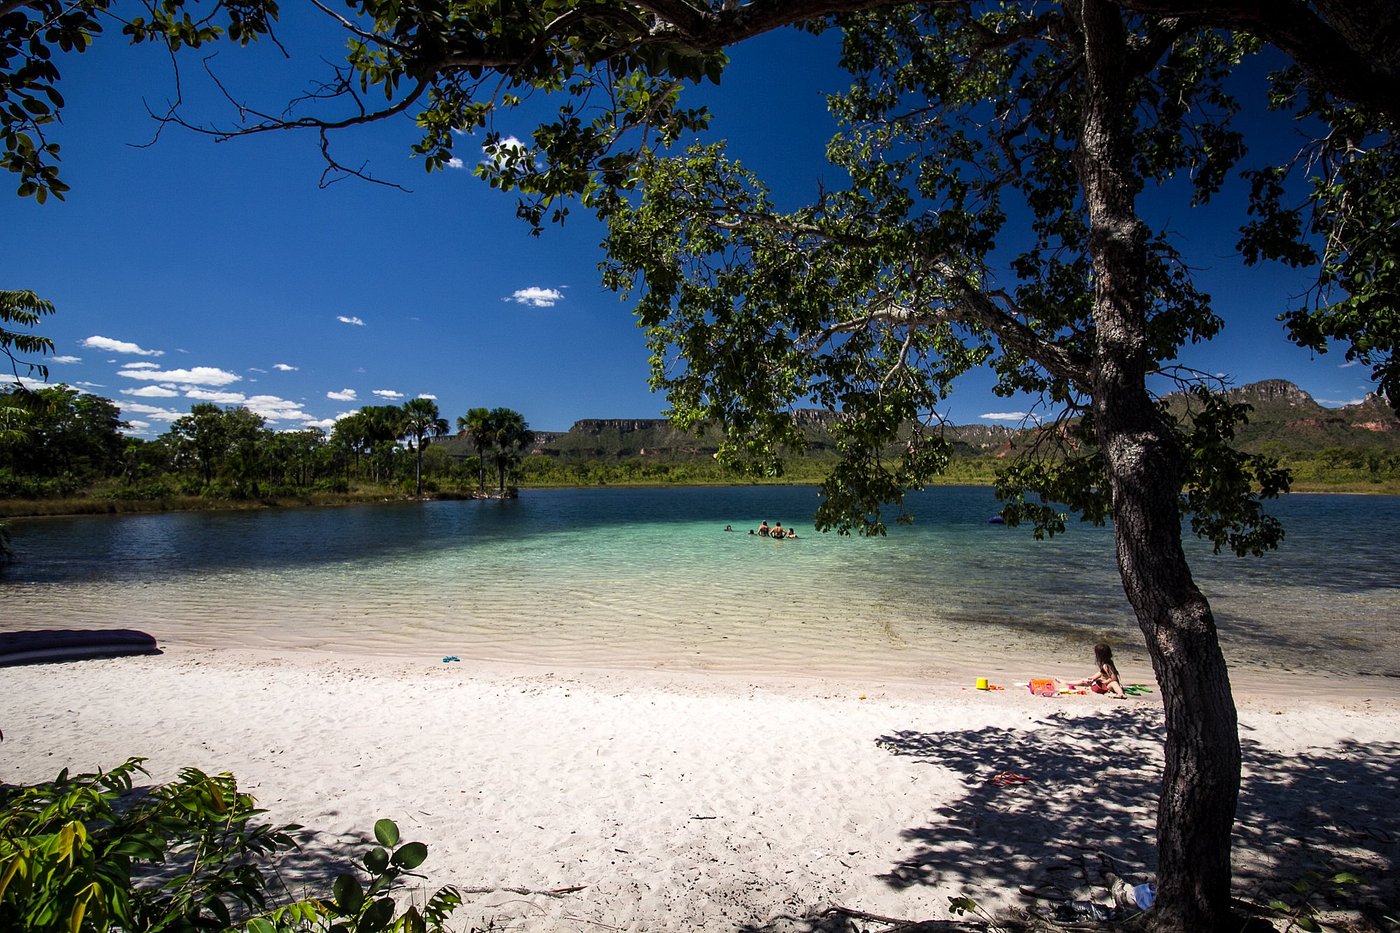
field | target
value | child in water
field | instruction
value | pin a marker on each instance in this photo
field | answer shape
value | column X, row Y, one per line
column 1106, row 680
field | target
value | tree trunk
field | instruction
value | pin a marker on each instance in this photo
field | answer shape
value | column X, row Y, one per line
column 418, row 468
column 1200, row 787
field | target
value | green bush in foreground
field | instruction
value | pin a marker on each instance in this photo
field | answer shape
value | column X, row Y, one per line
column 86, row 853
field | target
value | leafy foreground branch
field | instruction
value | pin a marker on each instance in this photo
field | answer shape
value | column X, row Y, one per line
column 88, row 853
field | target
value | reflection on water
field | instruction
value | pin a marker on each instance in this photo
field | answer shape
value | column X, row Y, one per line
column 647, row 577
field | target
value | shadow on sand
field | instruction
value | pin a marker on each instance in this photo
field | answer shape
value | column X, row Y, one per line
column 1088, row 805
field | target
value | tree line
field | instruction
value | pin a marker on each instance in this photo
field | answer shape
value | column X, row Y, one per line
column 56, row 442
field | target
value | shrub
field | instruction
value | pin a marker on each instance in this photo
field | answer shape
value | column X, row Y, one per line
column 86, row 854
column 143, row 490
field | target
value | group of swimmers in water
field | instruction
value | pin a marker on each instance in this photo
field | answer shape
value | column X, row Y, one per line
column 764, row 531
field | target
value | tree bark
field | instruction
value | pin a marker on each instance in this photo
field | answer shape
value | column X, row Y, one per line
column 1200, row 786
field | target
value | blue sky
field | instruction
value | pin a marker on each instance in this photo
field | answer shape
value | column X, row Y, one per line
column 192, row 271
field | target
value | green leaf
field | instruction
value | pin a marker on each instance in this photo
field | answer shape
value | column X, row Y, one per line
column 376, row 860
column 961, row 905
column 379, row 915
column 387, row 832
column 349, row 896
column 410, row 856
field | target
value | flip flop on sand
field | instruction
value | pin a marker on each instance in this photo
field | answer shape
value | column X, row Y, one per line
column 1010, row 779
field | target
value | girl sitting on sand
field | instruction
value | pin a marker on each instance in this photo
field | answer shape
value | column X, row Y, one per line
column 1106, row 680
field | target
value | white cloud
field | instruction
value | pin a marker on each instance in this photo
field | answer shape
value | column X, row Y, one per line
column 536, row 297
column 344, row 395
column 325, row 424
column 455, row 162
column 66, row 359
column 1349, row 364
column 350, row 320
column 154, row 413
column 135, row 425
column 152, row 392
column 1017, row 416
column 427, row 395
column 91, row 385
column 499, row 150
column 284, row 367
column 197, row 375
column 1335, row 403
column 388, row 393
column 254, row 369
column 218, row 398
column 276, row 409
column 119, row 346
column 270, row 407
column 138, row 365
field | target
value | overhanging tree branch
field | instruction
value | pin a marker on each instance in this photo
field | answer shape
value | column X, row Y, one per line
column 965, row 301
column 1351, row 47
column 972, row 304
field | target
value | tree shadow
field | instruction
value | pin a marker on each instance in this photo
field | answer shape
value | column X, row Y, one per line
column 1090, row 805
column 1326, row 810
column 310, row 869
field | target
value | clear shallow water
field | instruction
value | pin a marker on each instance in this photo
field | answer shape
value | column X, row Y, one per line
column 646, row 577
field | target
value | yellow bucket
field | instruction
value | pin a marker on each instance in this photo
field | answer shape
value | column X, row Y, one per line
column 981, row 683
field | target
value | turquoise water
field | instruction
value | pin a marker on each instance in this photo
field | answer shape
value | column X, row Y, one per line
column 647, row 577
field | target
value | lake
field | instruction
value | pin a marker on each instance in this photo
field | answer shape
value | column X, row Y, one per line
column 648, row 578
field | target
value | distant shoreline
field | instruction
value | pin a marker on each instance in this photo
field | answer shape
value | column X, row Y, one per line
column 91, row 505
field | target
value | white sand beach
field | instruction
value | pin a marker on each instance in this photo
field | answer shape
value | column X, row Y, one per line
column 667, row 801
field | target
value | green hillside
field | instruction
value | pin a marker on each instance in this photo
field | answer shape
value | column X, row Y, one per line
column 1356, row 446
column 1285, row 418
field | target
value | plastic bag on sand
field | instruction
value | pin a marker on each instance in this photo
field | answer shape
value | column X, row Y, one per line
column 1133, row 897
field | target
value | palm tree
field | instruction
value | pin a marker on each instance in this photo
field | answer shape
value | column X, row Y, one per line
column 383, row 424
column 421, row 418
column 510, row 437
column 477, row 423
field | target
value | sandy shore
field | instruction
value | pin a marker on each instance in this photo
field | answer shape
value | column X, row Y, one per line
column 694, row 801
